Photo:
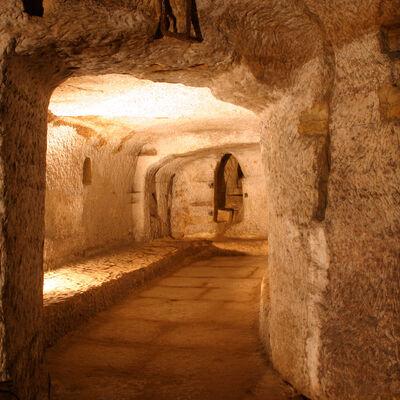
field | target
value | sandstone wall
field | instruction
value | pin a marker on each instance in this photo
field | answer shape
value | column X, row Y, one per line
column 332, row 321
column 193, row 199
column 334, row 229
column 162, row 157
column 82, row 218
column 292, row 181
column 23, row 108
column 362, row 230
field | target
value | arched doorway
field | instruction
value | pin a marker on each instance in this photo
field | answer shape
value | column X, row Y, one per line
column 228, row 191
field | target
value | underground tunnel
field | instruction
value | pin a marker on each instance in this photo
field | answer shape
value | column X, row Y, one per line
column 200, row 199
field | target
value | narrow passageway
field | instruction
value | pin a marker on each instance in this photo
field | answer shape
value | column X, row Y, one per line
column 191, row 335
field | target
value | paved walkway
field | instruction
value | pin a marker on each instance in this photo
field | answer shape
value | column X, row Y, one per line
column 83, row 275
column 191, row 336
column 77, row 291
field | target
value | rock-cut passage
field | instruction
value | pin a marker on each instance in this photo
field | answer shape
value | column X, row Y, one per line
column 192, row 335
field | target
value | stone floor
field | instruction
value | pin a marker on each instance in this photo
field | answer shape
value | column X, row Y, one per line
column 82, row 275
column 77, row 291
column 191, row 335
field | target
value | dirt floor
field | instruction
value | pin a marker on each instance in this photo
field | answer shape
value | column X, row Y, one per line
column 191, row 335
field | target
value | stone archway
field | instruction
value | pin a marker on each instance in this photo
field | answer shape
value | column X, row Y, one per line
column 228, row 191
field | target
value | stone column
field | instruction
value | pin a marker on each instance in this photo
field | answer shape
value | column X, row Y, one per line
column 23, row 121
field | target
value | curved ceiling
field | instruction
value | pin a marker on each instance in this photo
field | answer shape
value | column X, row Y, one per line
column 114, row 95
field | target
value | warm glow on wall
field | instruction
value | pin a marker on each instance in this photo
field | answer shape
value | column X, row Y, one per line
column 123, row 95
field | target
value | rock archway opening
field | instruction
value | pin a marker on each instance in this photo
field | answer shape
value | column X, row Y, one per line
column 181, row 195
column 229, row 205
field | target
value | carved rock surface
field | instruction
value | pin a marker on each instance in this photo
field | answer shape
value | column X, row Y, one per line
column 315, row 121
column 389, row 97
column 331, row 315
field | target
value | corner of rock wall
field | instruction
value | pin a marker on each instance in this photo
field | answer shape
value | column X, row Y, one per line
column 23, row 115
column 295, row 147
column 333, row 319
column 360, row 319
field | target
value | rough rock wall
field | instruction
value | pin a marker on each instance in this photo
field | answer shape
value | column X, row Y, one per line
column 24, row 95
column 164, row 174
column 360, row 331
column 255, row 218
column 292, row 176
column 193, row 199
column 318, row 249
column 82, row 218
column 332, row 179
column 160, row 153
